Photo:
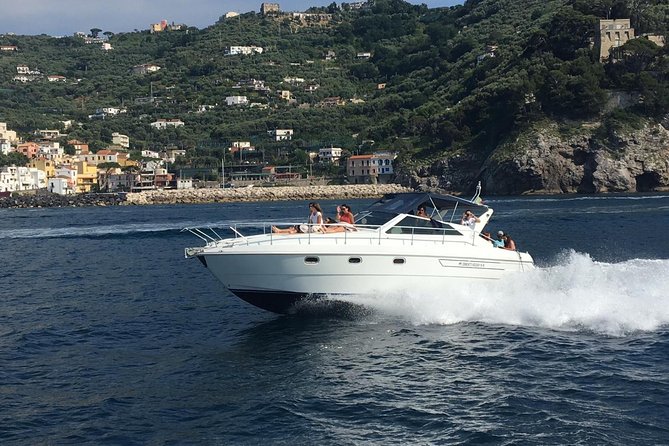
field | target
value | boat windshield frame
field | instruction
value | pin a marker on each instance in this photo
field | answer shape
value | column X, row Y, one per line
column 444, row 208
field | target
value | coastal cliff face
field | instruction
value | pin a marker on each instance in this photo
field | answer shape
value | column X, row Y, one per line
column 544, row 161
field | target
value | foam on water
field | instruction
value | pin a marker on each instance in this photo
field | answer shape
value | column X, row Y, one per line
column 576, row 293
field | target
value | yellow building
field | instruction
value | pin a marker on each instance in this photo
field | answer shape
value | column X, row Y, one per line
column 45, row 165
column 87, row 176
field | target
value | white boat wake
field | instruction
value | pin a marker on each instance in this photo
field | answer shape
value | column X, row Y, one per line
column 576, row 293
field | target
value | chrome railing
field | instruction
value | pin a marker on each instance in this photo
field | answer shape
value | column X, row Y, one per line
column 409, row 234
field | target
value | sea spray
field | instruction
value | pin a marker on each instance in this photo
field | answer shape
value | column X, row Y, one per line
column 575, row 294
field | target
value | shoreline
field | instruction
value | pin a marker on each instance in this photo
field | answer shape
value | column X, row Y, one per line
column 201, row 196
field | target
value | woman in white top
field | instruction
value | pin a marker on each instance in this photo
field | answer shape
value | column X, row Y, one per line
column 315, row 222
column 316, row 218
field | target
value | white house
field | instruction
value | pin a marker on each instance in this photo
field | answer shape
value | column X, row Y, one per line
column 60, row 186
column 110, row 111
column 184, row 183
column 17, row 178
column 106, row 46
column 5, row 146
column 236, row 100
column 51, row 150
column 281, row 134
column 150, row 154
column 48, row 134
column 245, row 50
column 164, row 123
column 293, row 80
column 120, row 140
column 329, row 154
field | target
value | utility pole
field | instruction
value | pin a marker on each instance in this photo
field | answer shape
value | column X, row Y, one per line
column 223, row 168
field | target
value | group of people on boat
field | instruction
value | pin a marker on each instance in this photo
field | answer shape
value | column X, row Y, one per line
column 503, row 240
column 344, row 221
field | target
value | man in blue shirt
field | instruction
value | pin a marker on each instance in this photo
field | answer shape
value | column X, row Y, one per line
column 499, row 242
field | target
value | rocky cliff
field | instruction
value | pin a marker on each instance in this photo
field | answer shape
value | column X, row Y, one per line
column 544, row 160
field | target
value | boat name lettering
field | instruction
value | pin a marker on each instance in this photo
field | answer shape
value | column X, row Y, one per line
column 471, row 264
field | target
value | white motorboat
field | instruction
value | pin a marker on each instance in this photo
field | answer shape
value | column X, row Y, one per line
column 389, row 249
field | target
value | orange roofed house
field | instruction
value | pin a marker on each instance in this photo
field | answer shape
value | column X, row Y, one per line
column 29, row 149
column 371, row 169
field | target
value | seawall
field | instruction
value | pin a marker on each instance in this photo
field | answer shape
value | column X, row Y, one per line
column 262, row 194
column 48, row 200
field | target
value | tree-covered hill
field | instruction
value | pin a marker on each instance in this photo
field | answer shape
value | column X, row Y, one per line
column 446, row 82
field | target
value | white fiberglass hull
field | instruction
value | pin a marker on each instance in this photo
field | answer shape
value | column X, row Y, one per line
column 274, row 277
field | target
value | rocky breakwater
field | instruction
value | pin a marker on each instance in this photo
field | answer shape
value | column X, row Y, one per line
column 262, row 194
column 48, row 200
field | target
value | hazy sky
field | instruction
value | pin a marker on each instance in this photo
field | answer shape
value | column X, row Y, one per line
column 65, row 17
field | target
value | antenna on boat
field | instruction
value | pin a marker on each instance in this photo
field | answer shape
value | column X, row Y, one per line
column 477, row 195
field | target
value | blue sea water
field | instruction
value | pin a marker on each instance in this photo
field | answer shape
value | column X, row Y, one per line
column 108, row 336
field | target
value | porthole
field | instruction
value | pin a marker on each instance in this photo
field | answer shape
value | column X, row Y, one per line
column 399, row 261
column 311, row 260
column 354, row 260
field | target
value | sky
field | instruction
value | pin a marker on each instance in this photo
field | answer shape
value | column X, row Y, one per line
column 65, row 17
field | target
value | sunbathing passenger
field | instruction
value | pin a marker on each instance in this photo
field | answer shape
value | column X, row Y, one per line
column 315, row 222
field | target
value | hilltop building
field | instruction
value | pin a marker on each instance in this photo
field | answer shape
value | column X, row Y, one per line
column 120, row 140
column 161, row 124
column 243, row 50
column 281, row 134
column 269, row 8
column 612, row 34
column 7, row 134
column 329, row 154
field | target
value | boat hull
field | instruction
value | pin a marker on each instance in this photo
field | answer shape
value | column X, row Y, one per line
column 277, row 281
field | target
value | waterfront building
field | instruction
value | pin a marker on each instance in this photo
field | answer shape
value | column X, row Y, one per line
column 19, row 178
column 374, row 168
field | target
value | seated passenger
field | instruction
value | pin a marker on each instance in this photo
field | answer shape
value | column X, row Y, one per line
column 345, row 215
column 499, row 241
column 509, row 243
column 421, row 212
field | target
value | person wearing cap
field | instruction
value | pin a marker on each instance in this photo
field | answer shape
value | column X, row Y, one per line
column 499, row 241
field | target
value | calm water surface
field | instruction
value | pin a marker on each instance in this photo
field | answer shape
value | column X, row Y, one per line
column 109, row 336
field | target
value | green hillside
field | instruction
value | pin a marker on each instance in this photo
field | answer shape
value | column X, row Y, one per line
column 458, row 81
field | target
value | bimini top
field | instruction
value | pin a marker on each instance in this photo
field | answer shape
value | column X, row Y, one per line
column 439, row 207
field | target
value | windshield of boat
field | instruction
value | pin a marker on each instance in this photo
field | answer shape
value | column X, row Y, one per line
column 417, row 225
column 440, row 207
column 373, row 218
